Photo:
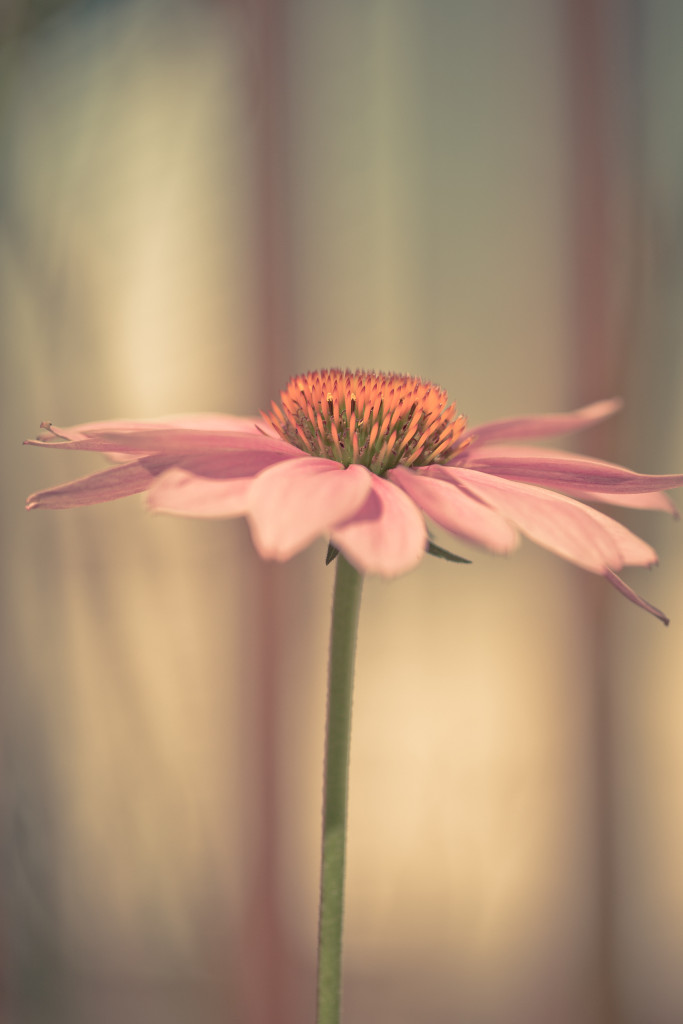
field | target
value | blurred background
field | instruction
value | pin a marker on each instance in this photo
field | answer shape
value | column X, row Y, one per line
column 198, row 199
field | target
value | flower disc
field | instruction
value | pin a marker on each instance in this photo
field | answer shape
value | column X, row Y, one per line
column 377, row 420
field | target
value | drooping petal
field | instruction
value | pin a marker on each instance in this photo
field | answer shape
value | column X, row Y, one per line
column 624, row 589
column 576, row 532
column 210, row 485
column 522, row 427
column 456, row 510
column 110, row 484
column 292, row 503
column 387, row 535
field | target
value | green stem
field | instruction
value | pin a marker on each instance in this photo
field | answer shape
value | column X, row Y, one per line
column 345, row 609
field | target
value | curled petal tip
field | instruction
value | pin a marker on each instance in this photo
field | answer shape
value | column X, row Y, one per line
column 45, row 425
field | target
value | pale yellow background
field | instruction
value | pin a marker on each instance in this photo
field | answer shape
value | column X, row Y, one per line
column 516, row 818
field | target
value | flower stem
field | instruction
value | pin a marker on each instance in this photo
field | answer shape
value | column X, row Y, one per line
column 345, row 609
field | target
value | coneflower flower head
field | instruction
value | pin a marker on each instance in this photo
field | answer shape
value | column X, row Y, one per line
column 362, row 458
column 376, row 420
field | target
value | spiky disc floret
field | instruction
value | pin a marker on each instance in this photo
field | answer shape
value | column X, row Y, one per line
column 375, row 419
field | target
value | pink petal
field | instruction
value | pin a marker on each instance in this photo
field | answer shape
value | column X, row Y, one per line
column 118, row 482
column 455, row 509
column 180, row 492
column 192, row 421
column 483, row 458
column 544, row 426
column 220, row 423
column 576, row 532
column 166, row 438
column 387, row 535
column 508, row 461
column 297, row 500
column 655, row 501
column 211, row 485
column 564, row 469
column 632, row 596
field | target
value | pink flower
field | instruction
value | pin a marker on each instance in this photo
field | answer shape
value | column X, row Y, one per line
column 362, row 458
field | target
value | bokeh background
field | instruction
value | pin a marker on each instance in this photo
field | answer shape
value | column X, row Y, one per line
column 198, row 199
